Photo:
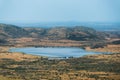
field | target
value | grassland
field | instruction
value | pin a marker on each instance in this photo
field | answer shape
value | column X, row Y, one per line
column 19, row 66
column 109, row 48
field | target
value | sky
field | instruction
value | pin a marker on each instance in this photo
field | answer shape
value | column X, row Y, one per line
column 31, row 11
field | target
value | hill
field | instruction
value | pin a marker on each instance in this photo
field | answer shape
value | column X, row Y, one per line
column 74, row 33
column 11, row 31
column 79, row 33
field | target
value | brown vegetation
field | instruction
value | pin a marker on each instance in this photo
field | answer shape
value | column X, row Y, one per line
column 109, row 48
column 18, row 66
column 4, row 54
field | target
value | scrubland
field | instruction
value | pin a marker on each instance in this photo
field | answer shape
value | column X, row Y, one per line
column 20, row 66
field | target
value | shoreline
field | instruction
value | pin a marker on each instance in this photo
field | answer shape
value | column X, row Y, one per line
column 18, row 56
column 5, row 50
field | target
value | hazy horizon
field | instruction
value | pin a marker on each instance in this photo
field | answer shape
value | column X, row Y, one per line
column 100, row 26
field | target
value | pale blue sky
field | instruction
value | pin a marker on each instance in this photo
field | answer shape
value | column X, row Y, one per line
column 59, row 10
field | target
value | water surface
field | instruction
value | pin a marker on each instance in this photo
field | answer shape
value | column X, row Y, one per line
column 54, row 52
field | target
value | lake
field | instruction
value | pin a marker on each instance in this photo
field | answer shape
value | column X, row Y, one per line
column 54, row 52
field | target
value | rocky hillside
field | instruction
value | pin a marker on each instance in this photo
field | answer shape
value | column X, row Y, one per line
column 84, row 33
column 74, row 33
column 11, row 31
column 113, row 34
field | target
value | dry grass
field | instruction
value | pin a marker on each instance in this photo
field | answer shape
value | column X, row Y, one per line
column 108, row 48
column 71, row 74
column 7, row 78
column 4, row 54
column 16, row 56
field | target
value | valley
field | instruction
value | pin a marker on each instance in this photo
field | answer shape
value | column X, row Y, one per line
column 21, row 66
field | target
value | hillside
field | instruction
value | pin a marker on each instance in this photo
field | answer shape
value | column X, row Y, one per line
column 11, row 31
column 74, row 33
column 78, row 33
column 20, row 66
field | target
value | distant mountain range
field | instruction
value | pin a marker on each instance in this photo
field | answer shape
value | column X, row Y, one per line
column 100, row 26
